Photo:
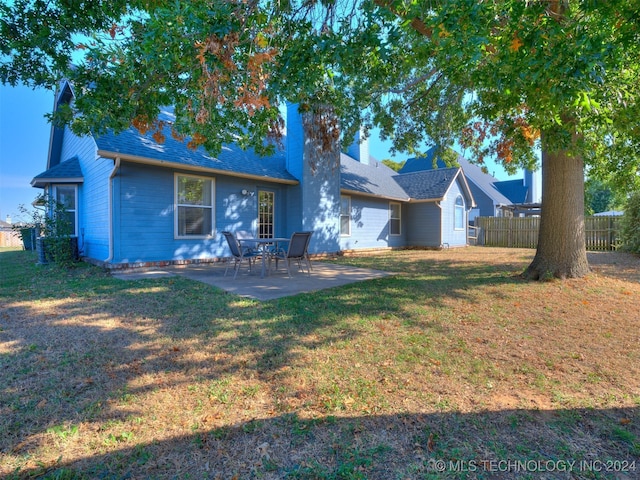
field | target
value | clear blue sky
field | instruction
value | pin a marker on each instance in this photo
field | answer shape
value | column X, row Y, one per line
column 24, row 145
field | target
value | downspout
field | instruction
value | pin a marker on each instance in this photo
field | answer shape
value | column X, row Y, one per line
column 439, row 205
column 116, row 167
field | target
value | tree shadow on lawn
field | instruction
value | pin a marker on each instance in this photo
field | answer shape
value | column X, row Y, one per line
column 87, row 350
column 506, row 444
column 620, row 265
column 431, row 281
column 490, row 261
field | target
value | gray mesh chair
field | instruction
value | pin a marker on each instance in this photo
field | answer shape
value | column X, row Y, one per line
column 296, row 250
column 238, row 254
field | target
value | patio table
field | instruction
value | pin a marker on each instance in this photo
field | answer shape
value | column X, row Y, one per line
column 262, row 244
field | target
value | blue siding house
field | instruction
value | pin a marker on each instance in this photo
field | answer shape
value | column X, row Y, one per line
column 136, row 202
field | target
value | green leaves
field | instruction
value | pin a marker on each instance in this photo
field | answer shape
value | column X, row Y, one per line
column 422, row 71
column 584, row 101
column 526, row 60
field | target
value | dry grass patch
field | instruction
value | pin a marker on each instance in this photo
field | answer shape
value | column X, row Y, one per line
column 454, row 358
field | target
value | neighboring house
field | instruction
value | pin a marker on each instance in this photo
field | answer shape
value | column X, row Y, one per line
column 494, row 198
column 135, row 202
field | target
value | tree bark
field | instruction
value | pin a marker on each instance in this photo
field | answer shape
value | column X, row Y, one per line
column 561, row 251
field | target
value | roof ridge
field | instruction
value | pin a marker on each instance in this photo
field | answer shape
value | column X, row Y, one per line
column 421, row 172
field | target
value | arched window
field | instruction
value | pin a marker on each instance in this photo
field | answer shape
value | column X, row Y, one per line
column 458, row 219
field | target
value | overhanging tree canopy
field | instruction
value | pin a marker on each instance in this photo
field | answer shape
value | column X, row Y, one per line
column 502, row 77
column 554, row 73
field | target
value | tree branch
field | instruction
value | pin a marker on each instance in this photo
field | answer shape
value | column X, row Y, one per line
column 417, row 23
column 414, row 82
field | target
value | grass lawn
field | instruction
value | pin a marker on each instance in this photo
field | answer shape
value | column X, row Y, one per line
column 453, row 367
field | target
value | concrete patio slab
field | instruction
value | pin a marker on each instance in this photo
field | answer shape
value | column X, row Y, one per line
column 251, row 285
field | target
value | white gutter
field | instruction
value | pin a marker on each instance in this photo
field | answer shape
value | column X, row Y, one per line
column 428, row 200
column 439, row 205
column 181, row 166
column 347, row 191
column 116, row 166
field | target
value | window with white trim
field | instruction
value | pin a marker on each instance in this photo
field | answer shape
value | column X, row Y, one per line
column 345, row 215
column 194, row 206
column 458, row 218
column 67, row 196
column 395, row 214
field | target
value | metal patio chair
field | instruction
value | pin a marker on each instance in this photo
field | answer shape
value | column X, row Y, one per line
column 296, row 250
column 238, row 254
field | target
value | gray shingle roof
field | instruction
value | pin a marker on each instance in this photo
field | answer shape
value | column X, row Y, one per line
column 372, row 179
column 484, row 181
column 68, row 171
column 231, row 159
column 419, row 164
column 375, row 178
column 427, row 184
column 474, row 173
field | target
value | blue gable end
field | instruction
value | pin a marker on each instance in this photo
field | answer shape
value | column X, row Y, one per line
column 514, row 190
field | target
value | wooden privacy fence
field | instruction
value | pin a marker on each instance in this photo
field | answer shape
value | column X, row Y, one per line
column 9, row 238
column 601, row 233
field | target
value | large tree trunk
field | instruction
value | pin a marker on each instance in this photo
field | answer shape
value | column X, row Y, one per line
column 561, row 249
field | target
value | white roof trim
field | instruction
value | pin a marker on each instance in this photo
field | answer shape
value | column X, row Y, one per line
column 465, row 184
column 346, row 191
column 180, row 166
column 44, row 181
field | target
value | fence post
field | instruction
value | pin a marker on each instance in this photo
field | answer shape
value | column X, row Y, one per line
column 610, row 232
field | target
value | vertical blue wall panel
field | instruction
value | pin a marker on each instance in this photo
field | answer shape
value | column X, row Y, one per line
column 424, row 226
column 93, row 197
column 485, row 204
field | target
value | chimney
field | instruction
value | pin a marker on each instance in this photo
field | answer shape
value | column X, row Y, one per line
column 9, row 219
column 315, row 203
column 531, row 182
column 294, row 141
column 359, row 149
